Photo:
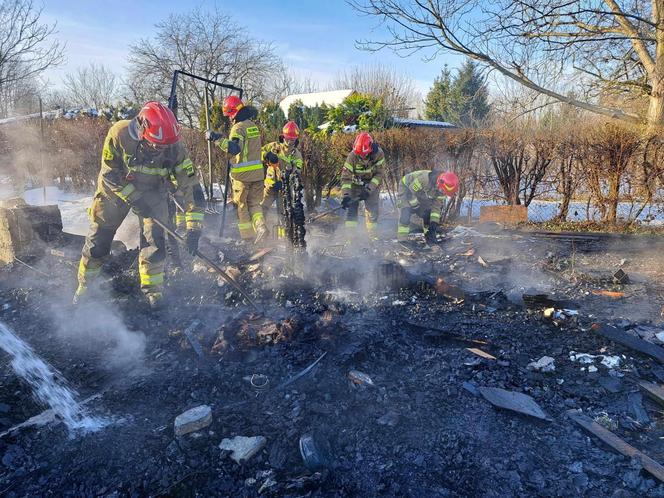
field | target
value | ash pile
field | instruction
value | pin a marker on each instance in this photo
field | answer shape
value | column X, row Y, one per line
column 494, row 363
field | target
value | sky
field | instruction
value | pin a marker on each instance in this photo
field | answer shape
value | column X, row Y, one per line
column 315, row 38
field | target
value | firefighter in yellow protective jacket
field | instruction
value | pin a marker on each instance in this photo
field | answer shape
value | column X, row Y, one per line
column 424, row 193
column 138, row 160
column 247, row 173
column 361, row 179
column 278, row 157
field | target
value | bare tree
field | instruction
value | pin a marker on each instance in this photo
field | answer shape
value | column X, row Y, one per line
column 616, row 45
column 25, row 47
column 394, row 88
column 94, row 86
column 206, row 43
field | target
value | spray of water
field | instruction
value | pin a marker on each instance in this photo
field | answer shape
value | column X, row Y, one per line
column 42, row 378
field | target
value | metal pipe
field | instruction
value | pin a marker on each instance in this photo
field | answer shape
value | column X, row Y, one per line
column 223, row 209
column 211, row 263
column 209, row 144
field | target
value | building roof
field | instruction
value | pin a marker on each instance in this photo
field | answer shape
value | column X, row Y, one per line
column 407, row 122
column 331, row 98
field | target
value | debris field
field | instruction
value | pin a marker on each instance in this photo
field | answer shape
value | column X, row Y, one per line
column 498, row 363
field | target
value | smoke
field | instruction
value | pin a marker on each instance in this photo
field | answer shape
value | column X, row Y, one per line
column 98, row 326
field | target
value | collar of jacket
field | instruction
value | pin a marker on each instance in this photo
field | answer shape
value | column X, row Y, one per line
column 247, row 112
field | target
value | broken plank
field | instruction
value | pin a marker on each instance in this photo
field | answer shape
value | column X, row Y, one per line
column 617, row 443
column 445, row 334
column 482, row 354
column 654, row 391
column 616, row 335
column 514, row 401
column 260, row 254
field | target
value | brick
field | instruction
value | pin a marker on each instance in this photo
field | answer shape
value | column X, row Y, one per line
column 507, row 215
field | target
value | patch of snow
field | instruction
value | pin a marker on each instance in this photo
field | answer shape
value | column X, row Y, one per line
column 74, row 211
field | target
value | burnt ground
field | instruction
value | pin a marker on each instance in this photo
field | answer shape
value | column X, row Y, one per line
column 421, row 430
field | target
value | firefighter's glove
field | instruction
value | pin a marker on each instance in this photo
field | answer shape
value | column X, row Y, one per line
column 140, row 207
column 277, row 186
column 345, row 202
column 272, row 158
column 430, row 236
column 234, row 147
column 192, row 239
column 366, row 192
column 212, row 136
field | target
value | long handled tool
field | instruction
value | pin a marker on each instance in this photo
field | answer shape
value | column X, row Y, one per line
column 224, row 207
column 319, row 216
column 210, row 193
column 210, row 263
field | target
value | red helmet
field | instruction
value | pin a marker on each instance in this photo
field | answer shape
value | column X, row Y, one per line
column 158, row 124
column 448, row 183
column 363, row 145
column 290, row 131
column 232, row 104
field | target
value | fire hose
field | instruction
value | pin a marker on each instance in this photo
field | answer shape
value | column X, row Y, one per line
column 209, row 262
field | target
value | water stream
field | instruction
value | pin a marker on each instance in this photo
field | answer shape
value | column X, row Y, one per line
column 46, row 388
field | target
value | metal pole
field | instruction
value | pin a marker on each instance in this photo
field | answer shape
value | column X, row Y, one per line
column 209, row 144
column 41, row 147
column 223, row 209
column 211, row 263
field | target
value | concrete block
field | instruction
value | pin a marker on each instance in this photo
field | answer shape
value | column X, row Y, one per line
column 193, row 420
column 24, row 229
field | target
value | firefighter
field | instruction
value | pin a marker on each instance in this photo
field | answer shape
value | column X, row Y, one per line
column 138, row 159
column 424, row 193
column 247, row 173
column 361, row 178
column 278, row 157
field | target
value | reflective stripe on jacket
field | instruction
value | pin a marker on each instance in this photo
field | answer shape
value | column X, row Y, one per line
column 357, row 171
column 415, row 189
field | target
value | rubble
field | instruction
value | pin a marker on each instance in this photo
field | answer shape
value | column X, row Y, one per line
column 360, row 378
column 544, row 364
column 193, row 420
column 193, row 341
column 314, row 451
column 620, row 277
column 242, row 448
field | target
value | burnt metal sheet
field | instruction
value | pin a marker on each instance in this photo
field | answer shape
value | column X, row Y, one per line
column 514, row 401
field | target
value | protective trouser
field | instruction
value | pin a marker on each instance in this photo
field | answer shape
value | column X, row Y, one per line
column 270, row 195
column 178, row 216
column 406, row 213
column 106, row 215
column 247, row 197
column 371, row 211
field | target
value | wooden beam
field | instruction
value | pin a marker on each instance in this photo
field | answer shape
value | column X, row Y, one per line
column 617, row 443
column 654, row 391
column 616, row 335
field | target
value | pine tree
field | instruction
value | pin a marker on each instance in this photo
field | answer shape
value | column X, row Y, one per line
column 271, row 116
column 472, row 95
column 462, row 100
column 438, row 104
